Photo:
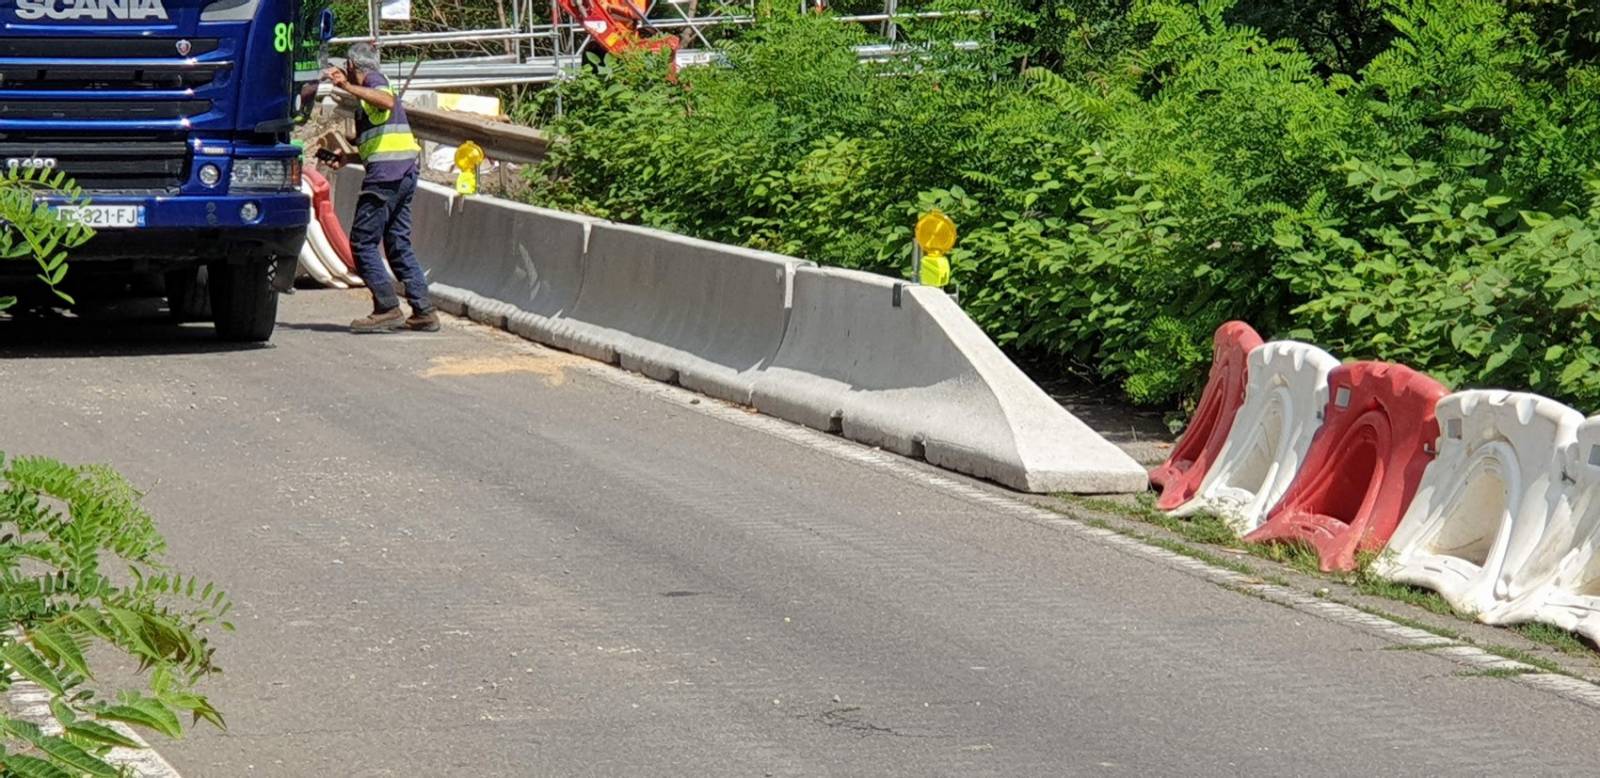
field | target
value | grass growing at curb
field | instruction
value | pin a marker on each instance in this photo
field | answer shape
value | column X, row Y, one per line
column 1555, row 637
column 1496, row 672
column 1518, row 655
column 1207, row 529
column 1210, row 530
column 1175, row 547
column 1444, row 632
column 1429, row 601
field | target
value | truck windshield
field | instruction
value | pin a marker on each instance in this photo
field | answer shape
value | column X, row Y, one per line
column 310, row 55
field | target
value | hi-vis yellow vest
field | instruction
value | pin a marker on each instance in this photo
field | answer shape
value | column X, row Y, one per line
column 386, row 136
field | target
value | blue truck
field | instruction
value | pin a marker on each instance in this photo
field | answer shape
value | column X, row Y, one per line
column 175, row 117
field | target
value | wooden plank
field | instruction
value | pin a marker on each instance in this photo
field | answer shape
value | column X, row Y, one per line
column 501, row 141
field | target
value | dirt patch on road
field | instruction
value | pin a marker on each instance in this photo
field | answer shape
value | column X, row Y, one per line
column 552, row 367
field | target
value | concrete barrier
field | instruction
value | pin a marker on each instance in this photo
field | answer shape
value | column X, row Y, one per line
column 919, row 378
column 346, row 183
column 704, row 315
column 436, row 234
column 525, row 264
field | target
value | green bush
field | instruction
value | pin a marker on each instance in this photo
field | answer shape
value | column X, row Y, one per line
column 31, row 231
column 1130, row 178
column 80, row 568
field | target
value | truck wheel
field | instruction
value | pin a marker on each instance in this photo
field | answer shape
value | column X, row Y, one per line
column 189, row 294
column 243, row 303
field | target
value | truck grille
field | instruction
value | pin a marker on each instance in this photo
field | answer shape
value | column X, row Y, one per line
column 109, row 76
column 124, row 64
column 105, row 110
column 99, row 163
column 103, row 48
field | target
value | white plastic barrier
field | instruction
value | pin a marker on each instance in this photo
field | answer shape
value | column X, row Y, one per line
column 705, row 315
column 1284, row 397
column 920, row 378
column 1568, row 560
column 1485, row 503
column 324, row 253
column 315, row 251
column 433, row 231
column 311, row 265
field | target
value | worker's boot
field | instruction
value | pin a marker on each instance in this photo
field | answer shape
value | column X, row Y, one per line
column 380, row 321
column 423, row 322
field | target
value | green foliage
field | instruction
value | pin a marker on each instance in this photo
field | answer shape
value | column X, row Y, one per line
column 29, row 229
column 1432, row 282
column 1404, row 179
column 79, row 567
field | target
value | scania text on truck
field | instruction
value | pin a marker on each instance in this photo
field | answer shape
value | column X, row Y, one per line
column 174, row 117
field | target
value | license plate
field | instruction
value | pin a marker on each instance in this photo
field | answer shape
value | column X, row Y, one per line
column 105, row 217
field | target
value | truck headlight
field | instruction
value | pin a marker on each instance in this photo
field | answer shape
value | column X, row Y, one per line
column 262, row 175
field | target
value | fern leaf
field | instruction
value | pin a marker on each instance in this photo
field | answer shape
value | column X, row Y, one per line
column 61, row 647
column 27, row 664
column 25, row 731
column 143, row 712
column 69, row 755
column 100, row 733
column 32, row 767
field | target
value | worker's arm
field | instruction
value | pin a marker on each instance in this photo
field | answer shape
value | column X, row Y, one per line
column 374, row 97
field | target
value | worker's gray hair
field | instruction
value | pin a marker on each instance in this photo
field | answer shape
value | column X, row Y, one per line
column 364, row 56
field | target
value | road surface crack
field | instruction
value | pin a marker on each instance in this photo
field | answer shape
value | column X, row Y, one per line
column 844, row 720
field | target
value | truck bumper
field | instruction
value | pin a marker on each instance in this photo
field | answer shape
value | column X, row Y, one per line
column 184, row 230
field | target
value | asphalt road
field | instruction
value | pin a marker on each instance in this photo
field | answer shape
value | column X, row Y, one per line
column 461, row 555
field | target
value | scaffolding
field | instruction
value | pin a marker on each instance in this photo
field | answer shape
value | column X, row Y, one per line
column 542, row 45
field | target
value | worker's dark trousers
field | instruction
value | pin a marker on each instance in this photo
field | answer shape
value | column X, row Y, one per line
column 384, row 214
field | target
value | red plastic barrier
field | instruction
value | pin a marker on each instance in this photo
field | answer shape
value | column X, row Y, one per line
column 322, row 206
column 1378, row 434
column 1179, row 477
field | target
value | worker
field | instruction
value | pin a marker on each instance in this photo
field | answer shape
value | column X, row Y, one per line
column 389, row 151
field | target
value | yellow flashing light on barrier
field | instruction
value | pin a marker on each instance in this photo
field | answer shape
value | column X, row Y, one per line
column 936, row 235
column 469, row 156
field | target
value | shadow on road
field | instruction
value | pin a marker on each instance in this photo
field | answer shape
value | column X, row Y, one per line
column 314, row 327
column 133, row 329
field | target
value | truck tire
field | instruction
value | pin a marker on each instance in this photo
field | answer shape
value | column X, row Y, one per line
column 189, row 294
column 244, row 303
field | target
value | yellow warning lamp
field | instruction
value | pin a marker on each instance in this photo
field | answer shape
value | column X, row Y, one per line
column 469, row 156
column 936, row 235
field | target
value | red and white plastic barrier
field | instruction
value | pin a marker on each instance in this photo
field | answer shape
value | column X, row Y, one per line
column 328, row 218
column 1378, row 435
column 320, row 257
column 1179, row 477
column 1282, row 411
column 1490, row 498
